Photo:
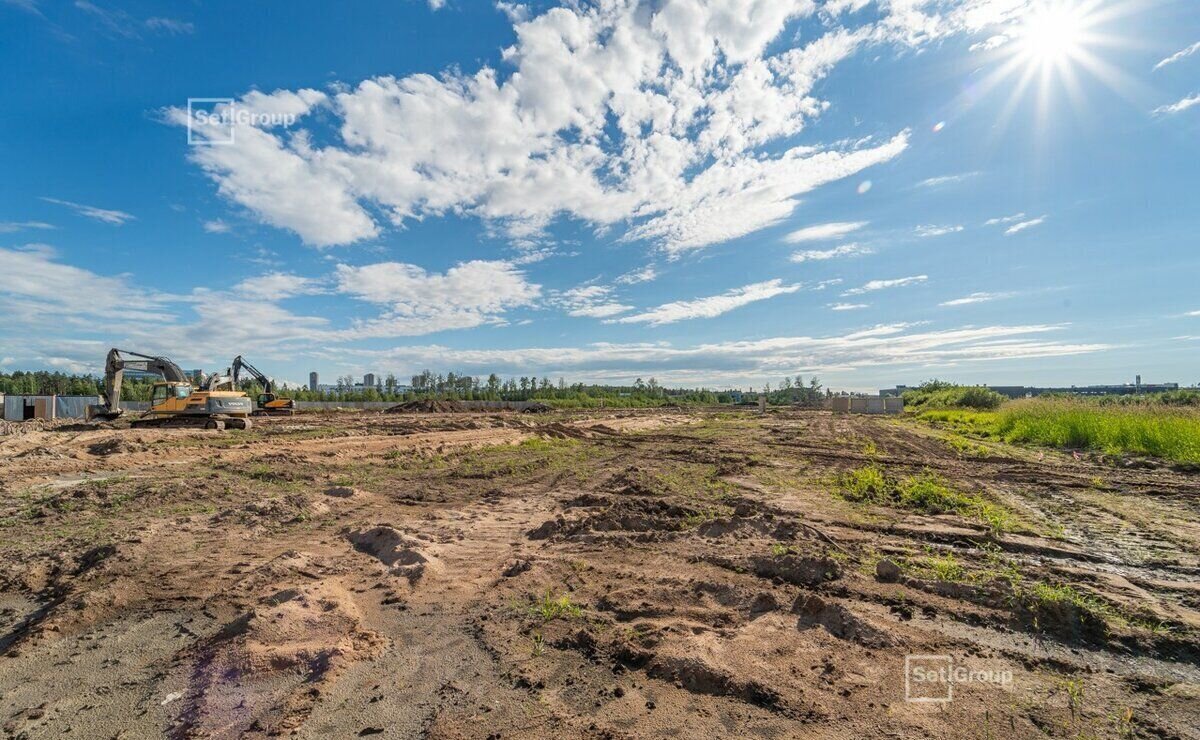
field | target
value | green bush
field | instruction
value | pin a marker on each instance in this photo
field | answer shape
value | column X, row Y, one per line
column 937, row 395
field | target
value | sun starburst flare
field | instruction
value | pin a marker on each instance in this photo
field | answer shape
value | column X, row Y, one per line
column 1051, row 46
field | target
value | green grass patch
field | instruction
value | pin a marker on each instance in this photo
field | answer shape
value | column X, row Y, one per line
column 925, row 492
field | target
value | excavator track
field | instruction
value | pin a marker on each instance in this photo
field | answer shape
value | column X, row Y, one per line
column 195, row 422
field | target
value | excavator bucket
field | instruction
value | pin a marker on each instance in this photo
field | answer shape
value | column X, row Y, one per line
column 102, row 412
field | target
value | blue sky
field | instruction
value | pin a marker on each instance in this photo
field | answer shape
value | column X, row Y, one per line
column 719, row 193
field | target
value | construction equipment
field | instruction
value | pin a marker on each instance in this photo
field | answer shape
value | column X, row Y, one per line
column 267, row 404
column 173, row 401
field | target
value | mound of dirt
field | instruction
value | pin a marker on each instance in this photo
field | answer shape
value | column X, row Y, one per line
column 796, row 570
column 838, row 621
column 537, row 408
column 427, row 406
column 263, row 669
column 274, row 510
column 699, row 677
column 115, row 446
column 390, row 547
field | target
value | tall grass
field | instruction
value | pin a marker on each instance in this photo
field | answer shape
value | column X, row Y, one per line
column 1172, row 433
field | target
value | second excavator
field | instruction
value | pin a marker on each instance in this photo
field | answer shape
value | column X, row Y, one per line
column 267, row 404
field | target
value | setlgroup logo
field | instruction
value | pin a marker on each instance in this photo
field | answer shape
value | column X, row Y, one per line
column 930, row 679
column 210, row 121
column 215, row 121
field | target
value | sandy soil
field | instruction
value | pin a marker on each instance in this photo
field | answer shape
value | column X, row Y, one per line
column 610, row 575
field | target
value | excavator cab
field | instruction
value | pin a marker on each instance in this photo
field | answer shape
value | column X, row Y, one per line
column 167, row 395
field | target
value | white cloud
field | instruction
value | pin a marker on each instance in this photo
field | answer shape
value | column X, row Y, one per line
column 874, row 285
column 216, row 226
column 822, row 232
column 592, row 301
column 170, row 25
column 657, row 117
column 746, row 362
column 1022, row 225
column 848, row 306
column 705, row 308
column 516, row 12
column 992, row 42
column 418, row 302
column 39, row 291
column 933, row 182
column 437, row 4
column 977, row 298
column 1005, row 219
column 1179, row 106
column 288, row 184
column 845, row 250
column 9, row 227
column 275, row 286
column 644, row 275
column 116, row 218
column 1181, row 54
column 1192, row 313
column 933, row 230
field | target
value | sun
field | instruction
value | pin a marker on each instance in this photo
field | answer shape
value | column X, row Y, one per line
column 1053, row 35
column 1056, row 49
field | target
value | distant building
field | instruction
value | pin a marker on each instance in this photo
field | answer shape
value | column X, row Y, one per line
column 1025, row 391
column 369, row 381
column 196, row 375
column 313, row 381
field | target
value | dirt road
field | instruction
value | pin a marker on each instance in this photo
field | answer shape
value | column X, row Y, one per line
column 607, row 575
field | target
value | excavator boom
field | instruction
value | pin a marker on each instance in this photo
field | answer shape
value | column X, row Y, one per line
column 114, row 373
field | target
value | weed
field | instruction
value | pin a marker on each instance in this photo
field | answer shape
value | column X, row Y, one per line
column 704, row 516
column 1038, row 596
column 550, row 608
column 1123, row 723
column 778, row 549
column 867, row 484
column 946, row 567
column 1073, row 687
column 539, row 644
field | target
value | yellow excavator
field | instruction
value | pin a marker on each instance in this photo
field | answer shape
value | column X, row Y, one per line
column 174, row 402
column 268, row 404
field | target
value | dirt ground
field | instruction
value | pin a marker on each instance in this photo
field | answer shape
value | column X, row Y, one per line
column 616, row 574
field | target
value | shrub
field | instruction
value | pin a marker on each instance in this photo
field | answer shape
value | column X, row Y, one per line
column 941, row 397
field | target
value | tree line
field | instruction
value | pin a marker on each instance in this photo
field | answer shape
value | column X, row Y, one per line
column 450, row 386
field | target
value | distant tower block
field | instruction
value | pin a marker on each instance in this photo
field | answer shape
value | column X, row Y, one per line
column 369, row 380
column 313, row 381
